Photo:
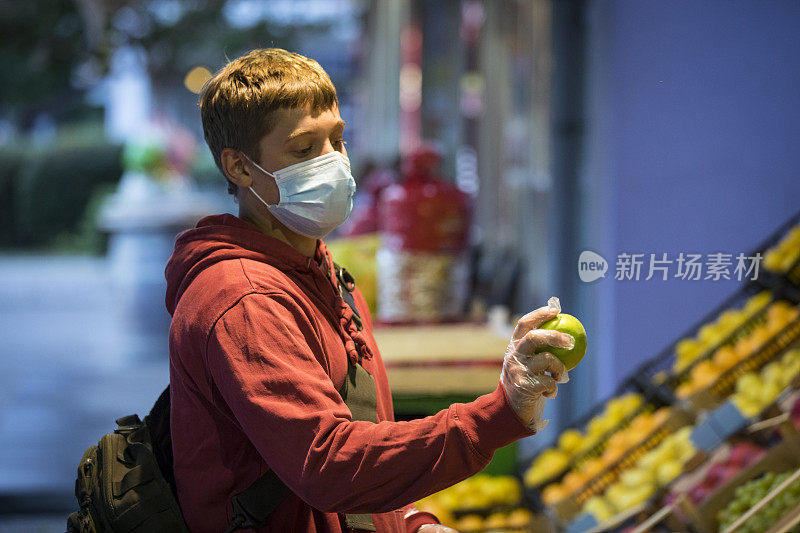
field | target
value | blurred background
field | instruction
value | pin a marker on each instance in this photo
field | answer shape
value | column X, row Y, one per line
column 531, row 130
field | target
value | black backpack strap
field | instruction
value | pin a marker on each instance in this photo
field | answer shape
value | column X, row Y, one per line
column 127, row 424
column 252, row 506
column 347, row 284
column 158, row 425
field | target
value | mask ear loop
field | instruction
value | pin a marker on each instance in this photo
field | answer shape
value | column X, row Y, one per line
column 270, row 174
column 259, row 167
column 252, row 190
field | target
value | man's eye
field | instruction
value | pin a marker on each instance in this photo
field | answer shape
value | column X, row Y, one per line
column 305, row 151
column 339, row 143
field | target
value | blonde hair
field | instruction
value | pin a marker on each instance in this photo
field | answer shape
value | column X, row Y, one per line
column 238, row 104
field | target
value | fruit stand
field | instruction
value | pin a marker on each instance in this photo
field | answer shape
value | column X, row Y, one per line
column 734, row 377
column 701, row 437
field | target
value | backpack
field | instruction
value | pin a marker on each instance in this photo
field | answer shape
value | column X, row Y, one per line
column 126, row 484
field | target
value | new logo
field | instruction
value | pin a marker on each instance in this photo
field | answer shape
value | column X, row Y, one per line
column 591, row 266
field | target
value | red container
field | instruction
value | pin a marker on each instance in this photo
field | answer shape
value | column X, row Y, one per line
column 422, row 264
column 424, row 213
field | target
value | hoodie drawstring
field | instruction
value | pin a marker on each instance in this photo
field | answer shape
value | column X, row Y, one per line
column 354, row 341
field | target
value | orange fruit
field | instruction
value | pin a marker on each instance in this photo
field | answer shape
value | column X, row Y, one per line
column 702, row 370
column 470, row 522
column 573, row 481
column 744, row 347
column 759, row 336
column 619, row 439
column 661, row 416
column 639, row 434
column 642, row 421
column 592, row 467
column 553, row 493
column 774, row 326
column 495, row 521
column 778, row 311
column 725, row 357
column 519, row 518
column 704, row 374
column 613, row 453
column 706, row 379
column 684, row 390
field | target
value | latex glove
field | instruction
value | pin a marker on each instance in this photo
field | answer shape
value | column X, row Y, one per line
column 435, row 528
column 525, row 373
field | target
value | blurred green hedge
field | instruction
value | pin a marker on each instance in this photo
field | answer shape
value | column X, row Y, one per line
column 45, row 191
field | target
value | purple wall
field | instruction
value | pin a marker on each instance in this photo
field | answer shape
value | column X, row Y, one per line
column 693, row 145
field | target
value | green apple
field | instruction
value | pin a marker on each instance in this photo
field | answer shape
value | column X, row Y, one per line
column 572, row 326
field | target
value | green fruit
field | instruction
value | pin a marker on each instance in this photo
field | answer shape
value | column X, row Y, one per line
column 572, row 326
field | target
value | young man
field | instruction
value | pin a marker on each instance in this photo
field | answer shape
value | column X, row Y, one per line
column 273, row 367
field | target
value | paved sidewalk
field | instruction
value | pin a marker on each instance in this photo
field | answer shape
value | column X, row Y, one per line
column 74, row 358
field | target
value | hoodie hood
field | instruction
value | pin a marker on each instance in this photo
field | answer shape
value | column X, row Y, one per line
column 221, row 237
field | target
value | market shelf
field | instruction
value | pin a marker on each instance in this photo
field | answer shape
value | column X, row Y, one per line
column 448, row 359
column 720, row 389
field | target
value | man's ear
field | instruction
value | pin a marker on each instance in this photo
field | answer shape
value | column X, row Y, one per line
column 235, row 167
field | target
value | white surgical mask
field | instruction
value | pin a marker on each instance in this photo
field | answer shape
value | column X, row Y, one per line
column 316, row 196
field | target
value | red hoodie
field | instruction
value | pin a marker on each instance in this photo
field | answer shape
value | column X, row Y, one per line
column 258, row 348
